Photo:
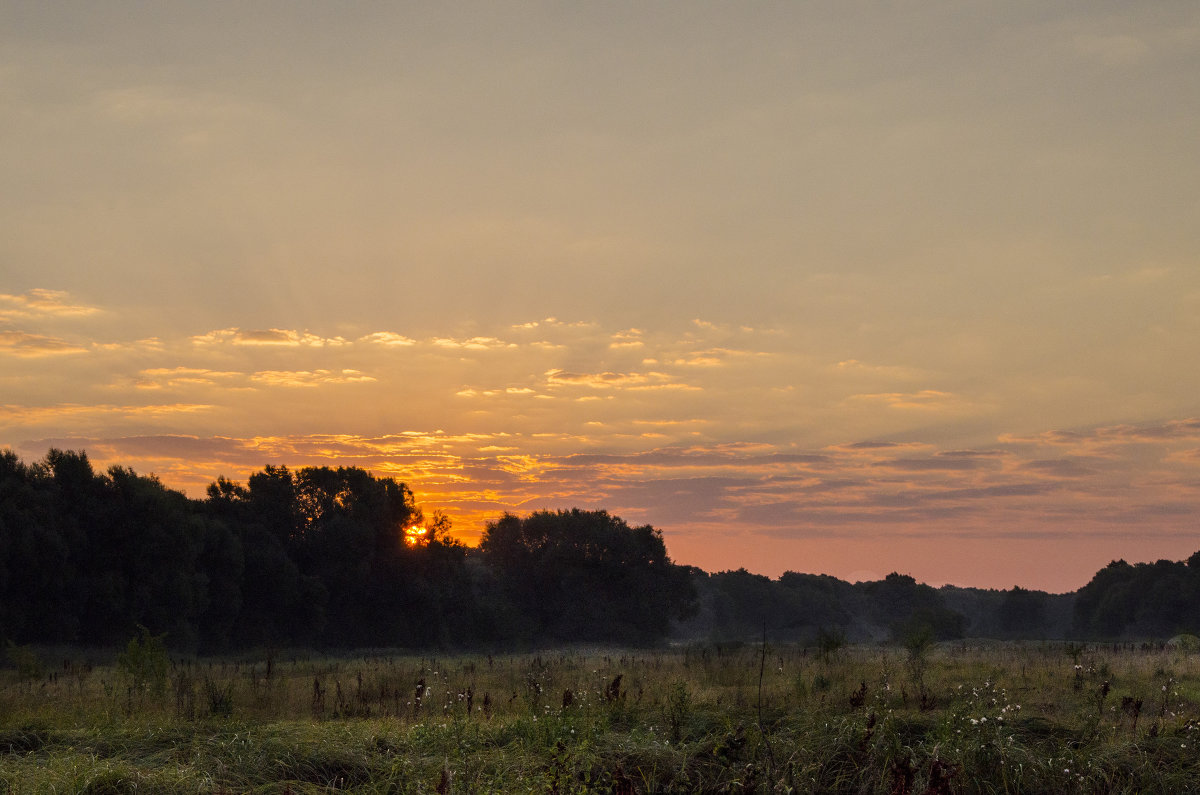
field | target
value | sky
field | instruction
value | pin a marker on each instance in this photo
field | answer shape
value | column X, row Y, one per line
column 830, row 287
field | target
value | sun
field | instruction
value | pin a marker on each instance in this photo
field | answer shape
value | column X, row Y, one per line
column 416, row 534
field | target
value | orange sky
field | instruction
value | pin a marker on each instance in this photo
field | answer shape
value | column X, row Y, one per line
column 812, row 287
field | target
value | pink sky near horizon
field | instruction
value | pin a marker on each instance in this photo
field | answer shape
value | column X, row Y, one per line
column 816, row 287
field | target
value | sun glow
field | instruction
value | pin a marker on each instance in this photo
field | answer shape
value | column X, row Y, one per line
column 415, row 535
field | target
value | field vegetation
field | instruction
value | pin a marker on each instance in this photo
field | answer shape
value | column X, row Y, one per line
column 916, row 717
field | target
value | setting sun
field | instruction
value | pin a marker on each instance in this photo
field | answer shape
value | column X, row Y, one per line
column 416, row 534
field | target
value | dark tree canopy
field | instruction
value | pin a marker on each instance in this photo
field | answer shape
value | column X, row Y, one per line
column 585, row 575
column 1158, row 599
column 316, row 556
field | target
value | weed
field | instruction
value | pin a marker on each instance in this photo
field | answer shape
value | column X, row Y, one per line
column 145, row 663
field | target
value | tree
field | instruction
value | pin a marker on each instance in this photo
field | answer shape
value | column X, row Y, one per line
column 901, row 603
column 1022, row 611
column 586, row 575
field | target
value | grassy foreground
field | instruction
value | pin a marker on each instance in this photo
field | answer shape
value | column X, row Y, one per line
column 958, row 718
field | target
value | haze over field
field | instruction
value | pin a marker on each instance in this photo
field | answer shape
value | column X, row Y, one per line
column 830, row 287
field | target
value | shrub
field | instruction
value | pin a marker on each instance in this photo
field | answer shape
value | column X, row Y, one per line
column 145, row 662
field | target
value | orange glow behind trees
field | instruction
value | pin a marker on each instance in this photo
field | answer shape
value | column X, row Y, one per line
column 416, row 535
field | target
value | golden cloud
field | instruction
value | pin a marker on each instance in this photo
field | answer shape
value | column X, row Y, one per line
column 181, row 376
column 714, row 357
column 472, row 344
column 147, row 344
column 388, row 338
column 42, row 303
column 25, row 345
column 267, row 337
column 605, row 380
column 40, row 414
column 926, row 399
column 309, row 378
column 629, row 338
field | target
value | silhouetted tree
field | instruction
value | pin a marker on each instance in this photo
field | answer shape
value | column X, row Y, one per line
column 903, row 605
column 1022, row 612
column 586, row 575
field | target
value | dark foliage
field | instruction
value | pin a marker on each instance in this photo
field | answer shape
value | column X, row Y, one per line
column 1145, row 600
column 319, row 557
column 737, row 605
column 312, row 557
column 585, row 575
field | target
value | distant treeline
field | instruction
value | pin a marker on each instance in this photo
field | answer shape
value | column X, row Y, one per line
column 1122, row 602
column 320, row 557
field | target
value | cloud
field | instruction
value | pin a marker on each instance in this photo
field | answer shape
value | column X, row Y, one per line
column 519, row 391
column 1058, row 467
column 1191, row 456
column 553, row 322
column 940, row 463
column 973, row 453
column 917, row 497
column 1108, row 435
column 268, row 337
column 33, row 415
column 147, row 344
column 472, row 344
column 309, row 378
column 31, row 346
column 609, row 380
column 157, row 377
column 713, row 357
column 184, row 377
column 873, row 445
column 924, row 400
column 157, row 447
column 388, row 338
column 629, row 338
column 42, row 303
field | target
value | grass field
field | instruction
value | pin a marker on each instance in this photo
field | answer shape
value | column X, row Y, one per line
column 964, row 717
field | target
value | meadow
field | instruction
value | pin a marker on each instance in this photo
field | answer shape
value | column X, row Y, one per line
column 962, row 717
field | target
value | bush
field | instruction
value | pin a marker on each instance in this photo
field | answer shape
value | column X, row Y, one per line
column 145, row 662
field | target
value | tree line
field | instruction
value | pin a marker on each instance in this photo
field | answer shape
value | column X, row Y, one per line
column 313, row 557
column 340, row 558
column 1122, row 602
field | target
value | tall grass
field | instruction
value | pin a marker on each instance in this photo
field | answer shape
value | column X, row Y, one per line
column 985, row 718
